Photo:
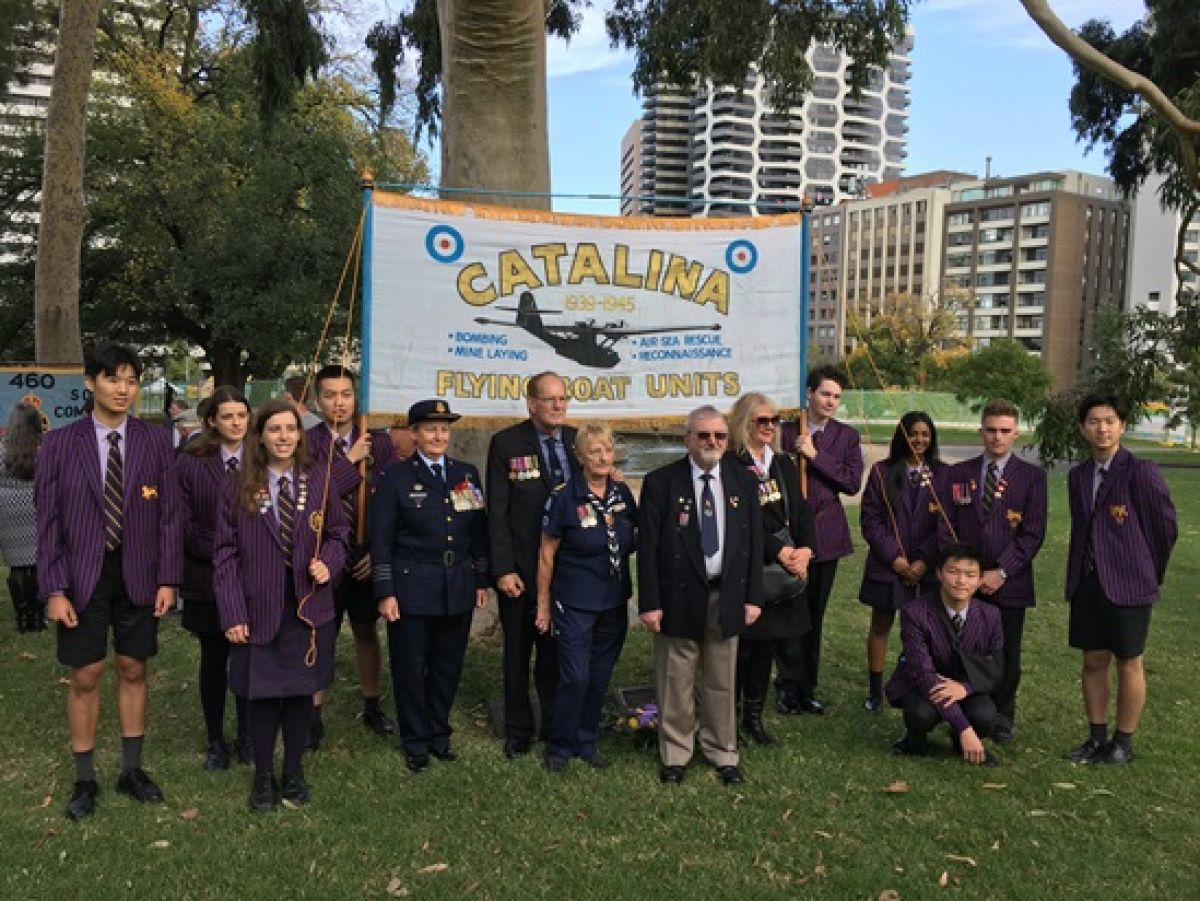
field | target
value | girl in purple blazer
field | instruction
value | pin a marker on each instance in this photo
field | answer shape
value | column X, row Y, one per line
column 899, row 519
column 205, row 465
column 279, row 542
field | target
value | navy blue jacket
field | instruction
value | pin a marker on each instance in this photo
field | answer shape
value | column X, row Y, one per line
column 429, row 537
column 582, row 575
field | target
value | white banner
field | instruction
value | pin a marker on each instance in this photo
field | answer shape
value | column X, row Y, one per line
column 645, row 318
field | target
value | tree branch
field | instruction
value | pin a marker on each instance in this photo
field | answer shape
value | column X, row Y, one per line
column 1185, row 128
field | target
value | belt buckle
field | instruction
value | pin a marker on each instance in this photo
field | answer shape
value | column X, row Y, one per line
column 448, row 558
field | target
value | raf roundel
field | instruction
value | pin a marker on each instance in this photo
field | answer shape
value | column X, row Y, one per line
column 741, row 256
column 444, row 243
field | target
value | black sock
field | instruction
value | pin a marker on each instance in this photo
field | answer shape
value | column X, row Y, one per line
column 240, row 704
column 370, row 705
column 1123, row 739
column 262, row 717
column 1098, row 732
column 85, row 766
column 131, row 752
column 296, row 720
column 214, row 664
column 876, row 682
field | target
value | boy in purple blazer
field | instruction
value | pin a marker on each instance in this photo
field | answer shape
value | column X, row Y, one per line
column 951, row 660
column 996, row 503
column 109, row 557
column 832, row 457
column 335, row 388
column 1122, row 531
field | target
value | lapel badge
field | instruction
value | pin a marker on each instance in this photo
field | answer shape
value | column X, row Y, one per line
column 1015, row 517
column 149, row 492
column 315, row 520
column 1119, row 513
column 734, row 500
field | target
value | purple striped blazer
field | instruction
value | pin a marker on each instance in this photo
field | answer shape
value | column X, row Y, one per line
column 250, row 567
column 1009, row 535
column 917, row 513
column 929, row 654
column 69, row 494
column 344, row 474
column 200, row 481
column 1132, row 525
column 836, row 470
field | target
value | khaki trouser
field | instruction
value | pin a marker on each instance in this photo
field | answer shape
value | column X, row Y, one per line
column 676, row 660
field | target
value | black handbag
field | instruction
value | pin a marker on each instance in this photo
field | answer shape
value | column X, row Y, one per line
column 780, row 587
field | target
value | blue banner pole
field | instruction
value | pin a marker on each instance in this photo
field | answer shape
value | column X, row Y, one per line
column 805, row 254
column 368, row 195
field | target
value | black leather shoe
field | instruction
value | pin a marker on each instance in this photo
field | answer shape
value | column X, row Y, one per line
column 377, row 721
column 671, row 775
column 873, row 704
column 811, row 706
column 596, row 762
column 1086, row 753
column 416, row 763
column 787, row 702
column 315, row 733
column 244, row 750
column 139, row 786
column 1002, row 732
column 555, row 763
column 905, row 746
column 752, row 722
column 730, row 775
column 83, row 800
column 262, row 793
column 445, row 755
column 1113, row 754
column 515, row 747
column 295, row 790
column 217, row 756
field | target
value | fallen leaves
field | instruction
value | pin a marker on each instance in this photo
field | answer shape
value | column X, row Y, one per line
column 994, row 786
column 889, row 894
column 189, row 815
column 161, row 844
column 959, row 858
column 1066, row 786
column 944, row 879
column 28, row 655
column 434, row 868
column 395, row 888
column 899, row 787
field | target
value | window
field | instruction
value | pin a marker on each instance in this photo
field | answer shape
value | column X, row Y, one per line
column 992, row 279
column 957, row 260
column 1035, row 231
column 996, row 214
column 994, row 235
column 1032, row 210
column 1033, row 254
column 965, row 218
column 995, row 257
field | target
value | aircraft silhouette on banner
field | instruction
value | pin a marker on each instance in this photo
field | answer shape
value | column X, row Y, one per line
column 585, row 342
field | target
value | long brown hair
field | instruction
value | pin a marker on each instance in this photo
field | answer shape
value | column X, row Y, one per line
column 25, row 430
column 253, row 477
column 209, row 441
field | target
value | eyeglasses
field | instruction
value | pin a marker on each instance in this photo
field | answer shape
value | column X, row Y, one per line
column 711, row 436
column 764, row 421
column 554, row 401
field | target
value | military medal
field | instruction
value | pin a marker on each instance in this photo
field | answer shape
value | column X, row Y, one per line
column 960, row 493
column 149, row 492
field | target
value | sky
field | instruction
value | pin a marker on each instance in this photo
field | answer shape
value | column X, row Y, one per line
column 985, row 83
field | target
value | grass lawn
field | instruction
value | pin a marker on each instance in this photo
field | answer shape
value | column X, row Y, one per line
column 814, row 819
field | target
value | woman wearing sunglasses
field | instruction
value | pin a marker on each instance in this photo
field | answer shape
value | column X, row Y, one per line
column 787, row 545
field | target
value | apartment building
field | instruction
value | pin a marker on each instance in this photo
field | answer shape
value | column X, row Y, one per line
column 1154, row 280
column 1034, row 258
column 731, row 154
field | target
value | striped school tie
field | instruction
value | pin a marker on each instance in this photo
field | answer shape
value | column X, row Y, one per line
column 990, row 483
column 287, row 516
column 348, row 505
column 231, row 465
column 114, row 492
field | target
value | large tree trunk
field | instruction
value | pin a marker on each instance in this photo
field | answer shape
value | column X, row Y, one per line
column 494, row 99
column 227, row 366
column 60, row 232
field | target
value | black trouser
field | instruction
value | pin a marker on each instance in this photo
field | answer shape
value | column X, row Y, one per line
column 800, row 658
column 754, row 670
column 921, row 717
column 426, row 654
column 517, row 617
column 23, row 589
column 1012, row 620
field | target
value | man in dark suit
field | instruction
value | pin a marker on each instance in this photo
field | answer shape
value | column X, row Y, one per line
column 996, row 503
column 430, row 572
column 525, row 463
column 109, row 556
column 1123, row 528
column 831, row 464
column 354, row 451
column 951, row 660
column 700, row 552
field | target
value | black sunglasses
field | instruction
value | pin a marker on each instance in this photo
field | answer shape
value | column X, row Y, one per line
column 767, row 420
column 714, row 436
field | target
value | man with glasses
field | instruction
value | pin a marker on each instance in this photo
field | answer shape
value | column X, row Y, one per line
column 525, row 463
column 700, row 551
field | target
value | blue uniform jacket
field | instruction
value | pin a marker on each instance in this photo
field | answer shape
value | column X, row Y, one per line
column 429, row 537
column 582, row 575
